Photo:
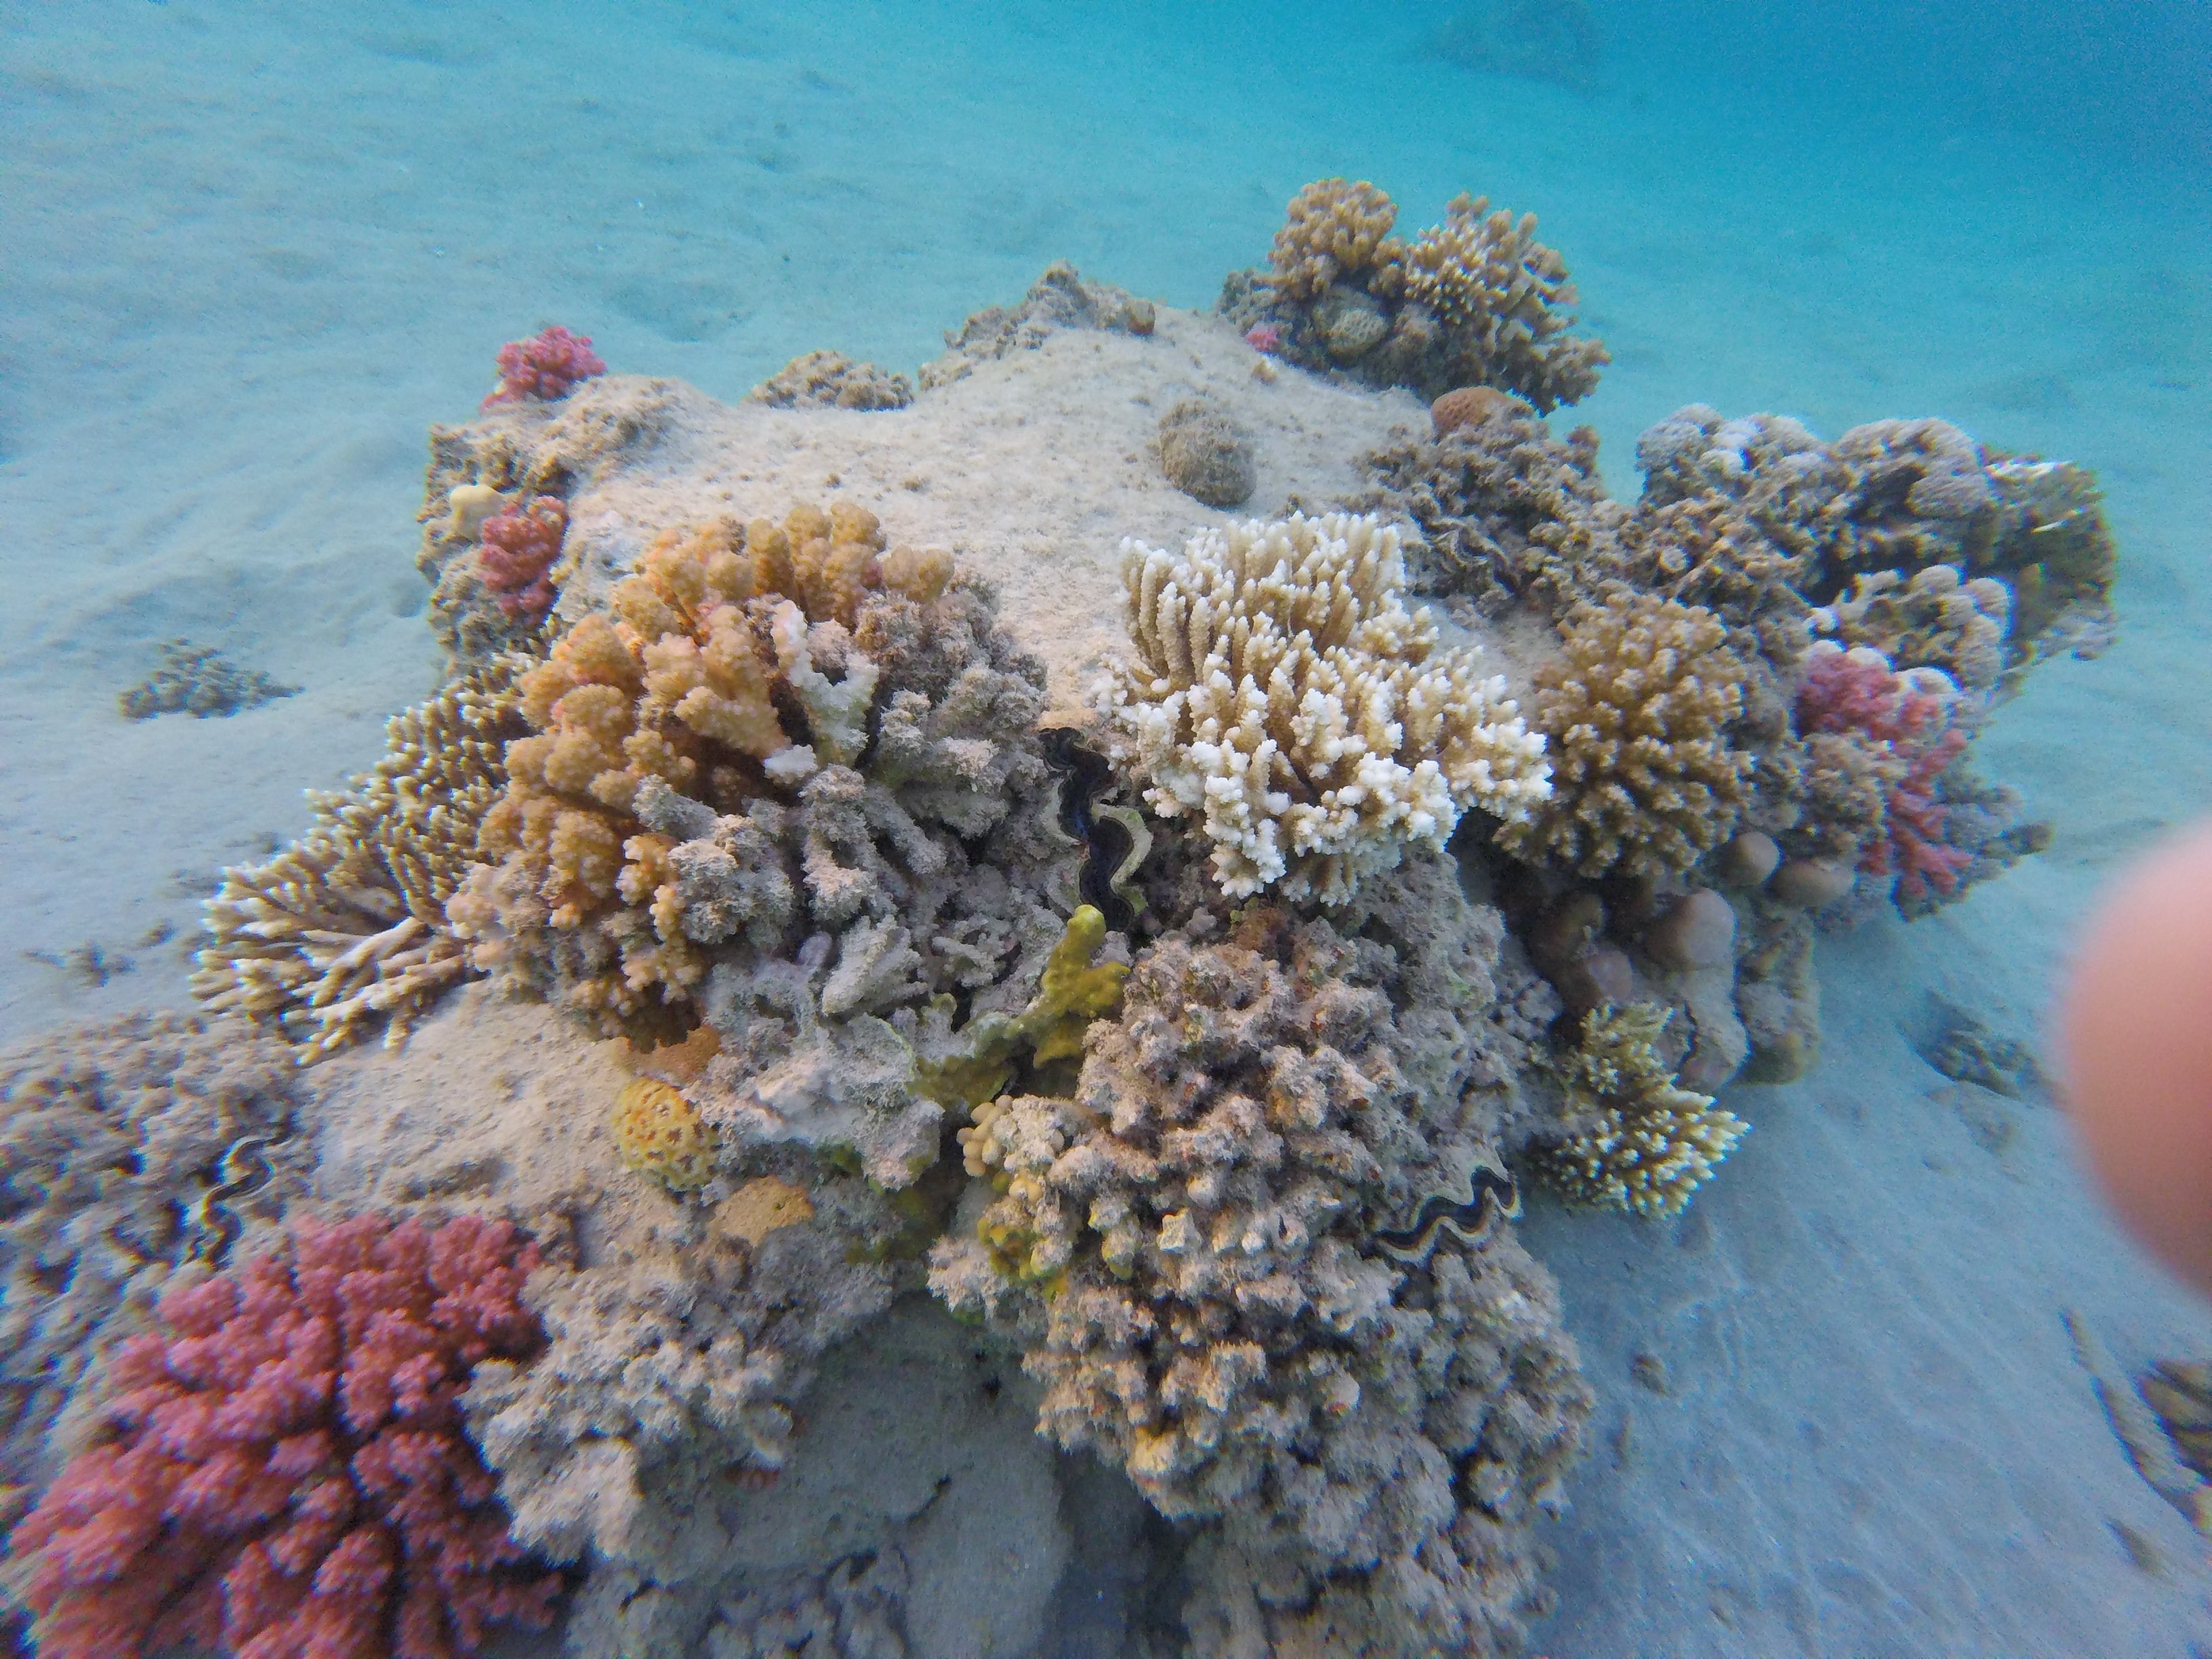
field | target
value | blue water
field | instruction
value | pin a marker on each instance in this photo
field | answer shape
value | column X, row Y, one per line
column 248, row 253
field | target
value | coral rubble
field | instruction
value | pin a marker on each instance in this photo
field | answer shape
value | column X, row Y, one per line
column 200, row 681
column 347, row 924
column 282, row 1469
column 830, row 380
column 1475, row 301
column 1282, row 694
column 1060, row 299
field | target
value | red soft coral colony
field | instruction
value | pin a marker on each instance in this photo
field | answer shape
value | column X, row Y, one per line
column 286, row 1474
column 544, row 366
column 520, row 546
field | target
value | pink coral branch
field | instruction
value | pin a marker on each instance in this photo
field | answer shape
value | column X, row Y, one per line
column 545, row 368
column 286, row 1470
column 520, row 546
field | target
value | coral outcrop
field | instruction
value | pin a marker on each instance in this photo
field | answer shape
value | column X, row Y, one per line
column 1060, row 299
column 545, row 368
column 1282, row 695
column 200, row 681
column 1636, row 716
column 1639, row 1142
column 348, row 925
column 1205, row 454
column 830, row 380
column 1475, row 301
column 1188, row 1244
column 112, row 1142
column 283, row 1468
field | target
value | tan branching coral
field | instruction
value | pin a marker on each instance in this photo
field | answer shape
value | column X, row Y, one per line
column 1281, row 693
column 660, row 1134
column 1189, row 1243
column 347, row 924
column 1335, row 227
column 1636, row 712
column 1503, row 298
column 1651, row 1143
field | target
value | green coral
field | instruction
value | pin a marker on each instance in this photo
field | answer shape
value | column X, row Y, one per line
column 1073, row 990
column 1652, row 1143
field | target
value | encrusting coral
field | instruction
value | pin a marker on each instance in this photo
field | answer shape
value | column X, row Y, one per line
column 283, row 1468
column 111, row 1138
column 347, row 924
column 1476, row 301
column 1642, row 1143
column 1282, row 694
column 661, row 1136
column 1636, row 713
column 1187, row 1247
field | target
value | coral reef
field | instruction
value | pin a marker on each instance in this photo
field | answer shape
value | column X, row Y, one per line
column 1876, row 514
column 544, row 368
column 112, row 1141
column 347, row 924
column 1636, row 716
column 1476, row 301
column 283, row 1468
column 1282, row 694
column 1205, row 455
column 1060, row 299
column 520, row 547
column 200, row 681
column 661, row 1135
column 1189, row 1245
column 1640, row 1143
column 830, row 380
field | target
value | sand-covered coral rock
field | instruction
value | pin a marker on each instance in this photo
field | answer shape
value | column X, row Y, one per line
column 1636, row 712
column 1205, row 454
column 830, row 380
column 200, row 681
column 112, row 1143
column 1475, row 301
column 348, row 925
column 1282, row 696
column 1188, row 1244
column 1060, row 299
column 1643, row 1143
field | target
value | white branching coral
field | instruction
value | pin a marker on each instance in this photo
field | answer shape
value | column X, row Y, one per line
column 1280, row 692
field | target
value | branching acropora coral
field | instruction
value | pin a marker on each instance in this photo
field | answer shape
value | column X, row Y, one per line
column 1636, row 712
column 1335, row 228
column 349, row 922
column 1281, row 693
column 1652, row 1143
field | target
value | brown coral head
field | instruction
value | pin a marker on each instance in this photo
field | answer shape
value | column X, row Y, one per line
column 1335, row 227
column 1474, row 406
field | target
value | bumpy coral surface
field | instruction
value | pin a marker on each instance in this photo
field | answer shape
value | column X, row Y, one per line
column 1188, row 1242
column 1647, row 1143
column 113, row 1140
column 544, row 366
column 1205, row 455
column 660, row 1134
column 520, row 545
column 1060, row 299
column 347, row 924
column 1282, row 694
column 200, row 681
column 1636, row 712
column 284, row 1469
column 830, row 380
column 1476, row 301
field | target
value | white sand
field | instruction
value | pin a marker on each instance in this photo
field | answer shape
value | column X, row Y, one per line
column 249, row 260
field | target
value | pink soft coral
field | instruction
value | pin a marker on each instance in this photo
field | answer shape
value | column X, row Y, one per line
column 545, row 368
column 286, row 1473
column 1856, row 692
column 520, row 546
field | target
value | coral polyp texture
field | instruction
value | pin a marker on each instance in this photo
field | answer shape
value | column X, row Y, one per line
column 520, row 545
column 1641, row 1142
column 1637, row 713
column 1282, row 696
column 1186, row 1246
column 347, row 926
column 543, row 367
column 661, row 1136
column 283, row 1468
column 1475, row 301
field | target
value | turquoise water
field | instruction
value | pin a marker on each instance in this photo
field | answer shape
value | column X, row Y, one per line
column 251, row 252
